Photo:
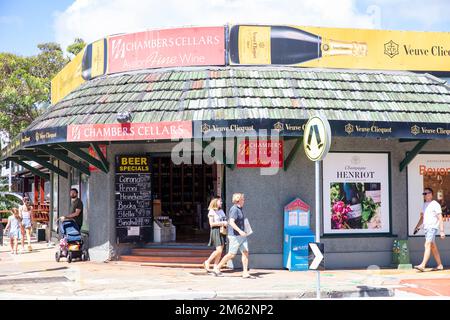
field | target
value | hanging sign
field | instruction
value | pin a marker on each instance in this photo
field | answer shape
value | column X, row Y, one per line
column 317, row 138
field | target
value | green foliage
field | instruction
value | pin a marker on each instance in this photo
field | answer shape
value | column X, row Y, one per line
column 335, row 193
column 369, row 207
column 76, row 47
column 7, row 202
column 25, row 84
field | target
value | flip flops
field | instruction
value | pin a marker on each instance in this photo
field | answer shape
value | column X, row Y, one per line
column 248, row 276
column 419, row 268
column 437, row 269
column 217, row 273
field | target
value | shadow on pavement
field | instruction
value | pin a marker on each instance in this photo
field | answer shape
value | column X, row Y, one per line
column 36, row 271
column 366, row 291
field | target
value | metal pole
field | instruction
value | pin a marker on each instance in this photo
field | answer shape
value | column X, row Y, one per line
column 318, row 166
column 10, row 176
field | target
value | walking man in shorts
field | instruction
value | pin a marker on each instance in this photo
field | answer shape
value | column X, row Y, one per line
column 431, row 217
column 237, row 238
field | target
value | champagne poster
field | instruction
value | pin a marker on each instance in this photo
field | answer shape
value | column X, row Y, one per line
column 356, row 193
column 318, row 47
column 428, row 171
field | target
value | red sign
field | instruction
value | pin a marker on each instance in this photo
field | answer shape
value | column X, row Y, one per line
column 167, row 48
column 92, row 153
column 260, row 153
column 130, row 131
column 297, row 204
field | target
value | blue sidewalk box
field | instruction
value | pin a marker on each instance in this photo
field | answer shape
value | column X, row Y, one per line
column 297, row 235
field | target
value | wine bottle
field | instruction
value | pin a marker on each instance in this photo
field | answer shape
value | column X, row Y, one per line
column 373, row 190
column 354, row 201
column 284, row 45
column 94, row 60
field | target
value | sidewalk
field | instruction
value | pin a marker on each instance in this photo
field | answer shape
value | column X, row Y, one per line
column 37, row 275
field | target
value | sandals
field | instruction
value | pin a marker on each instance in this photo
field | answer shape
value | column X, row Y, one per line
column 419, row 268
column 206, row 266
column 217, row 273
column 248, row 276
column 438, row 268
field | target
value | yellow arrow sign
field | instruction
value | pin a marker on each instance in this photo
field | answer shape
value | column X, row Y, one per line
column 317, row 138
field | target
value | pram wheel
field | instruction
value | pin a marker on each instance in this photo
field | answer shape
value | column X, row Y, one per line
column 83, row 257
column 57, row 256
column 69, row 257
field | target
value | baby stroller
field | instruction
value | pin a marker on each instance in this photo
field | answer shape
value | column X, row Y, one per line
column 71, row 244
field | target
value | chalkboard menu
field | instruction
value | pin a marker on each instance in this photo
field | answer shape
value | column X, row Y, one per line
column 134, row 216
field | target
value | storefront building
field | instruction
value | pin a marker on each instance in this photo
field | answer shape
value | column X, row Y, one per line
column 118, row 137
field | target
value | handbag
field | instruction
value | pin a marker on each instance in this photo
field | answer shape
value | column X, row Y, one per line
column 223, row 230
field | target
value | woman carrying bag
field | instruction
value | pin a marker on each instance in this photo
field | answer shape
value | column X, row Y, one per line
column 26, row 215
column 218, row 234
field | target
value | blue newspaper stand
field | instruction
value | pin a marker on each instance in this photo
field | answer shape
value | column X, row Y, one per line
column 297, row 235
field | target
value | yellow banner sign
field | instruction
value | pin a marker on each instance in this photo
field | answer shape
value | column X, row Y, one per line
column 68, row 79
column 340, row 48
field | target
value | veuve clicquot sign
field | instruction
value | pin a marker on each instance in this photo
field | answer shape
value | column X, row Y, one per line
column 340, row 48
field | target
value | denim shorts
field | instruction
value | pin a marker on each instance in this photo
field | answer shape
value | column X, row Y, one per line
column 430, row 234
column 236, row 243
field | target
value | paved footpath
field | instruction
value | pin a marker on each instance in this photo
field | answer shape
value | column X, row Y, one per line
column 36, row 275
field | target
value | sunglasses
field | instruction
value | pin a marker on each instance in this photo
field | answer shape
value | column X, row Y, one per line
column 425, row 193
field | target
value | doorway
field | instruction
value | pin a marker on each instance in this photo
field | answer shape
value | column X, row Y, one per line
column 182, row 193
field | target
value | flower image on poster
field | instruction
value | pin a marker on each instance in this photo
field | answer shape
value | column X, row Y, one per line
column 428, row 171
column 356, row 193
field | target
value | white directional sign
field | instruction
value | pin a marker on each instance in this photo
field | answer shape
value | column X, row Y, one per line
column 315, row 256
column 317, row 138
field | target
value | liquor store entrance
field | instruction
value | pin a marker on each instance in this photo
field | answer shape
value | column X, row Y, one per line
column 182, row 193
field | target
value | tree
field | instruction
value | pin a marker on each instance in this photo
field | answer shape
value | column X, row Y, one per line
column 25, row 84
column 76, row 46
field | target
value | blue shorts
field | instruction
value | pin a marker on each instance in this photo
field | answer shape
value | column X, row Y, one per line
column 236, row 243
column 26, row 223
column 430, row 234
column 15, row 234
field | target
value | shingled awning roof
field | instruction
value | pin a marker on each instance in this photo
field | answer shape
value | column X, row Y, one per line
column 254, row 93
column 218, row 99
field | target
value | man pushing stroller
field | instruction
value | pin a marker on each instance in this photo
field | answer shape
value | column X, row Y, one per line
column 76, row 208
column 71, row 244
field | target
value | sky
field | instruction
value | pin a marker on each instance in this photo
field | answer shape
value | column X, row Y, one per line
column 26, row 23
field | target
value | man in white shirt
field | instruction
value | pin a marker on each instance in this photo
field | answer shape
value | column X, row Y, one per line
column 431, row 217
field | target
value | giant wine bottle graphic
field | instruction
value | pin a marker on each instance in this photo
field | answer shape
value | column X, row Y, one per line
column 94, row 62
column 284, row 45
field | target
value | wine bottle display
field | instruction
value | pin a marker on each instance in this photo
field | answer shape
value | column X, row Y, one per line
column 285, row 45
column 94, row 60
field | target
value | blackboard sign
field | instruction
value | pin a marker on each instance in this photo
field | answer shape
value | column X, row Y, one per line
column 134, row 216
